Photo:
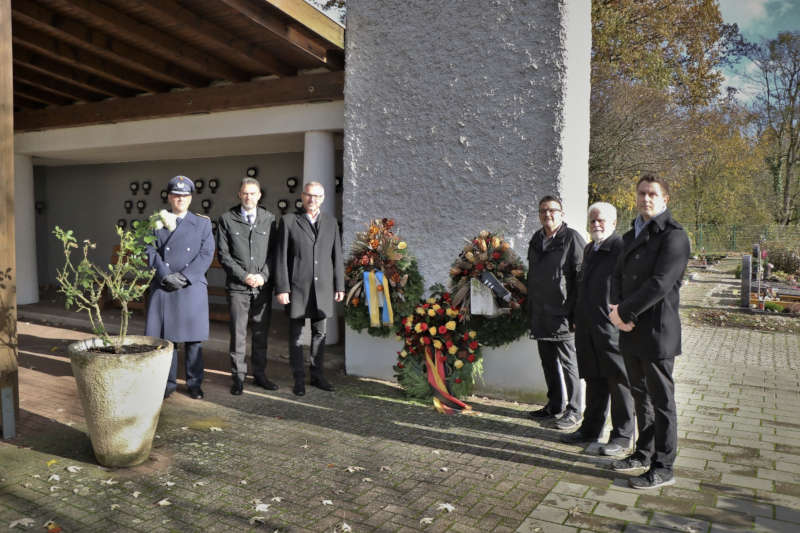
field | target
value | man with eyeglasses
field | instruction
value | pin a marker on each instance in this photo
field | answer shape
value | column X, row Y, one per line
column 309, row 277
column 245, row 245
column 555, row 254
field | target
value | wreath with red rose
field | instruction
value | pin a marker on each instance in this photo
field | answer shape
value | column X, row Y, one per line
column 437, row 342
column 379, row 251
column 491, row 253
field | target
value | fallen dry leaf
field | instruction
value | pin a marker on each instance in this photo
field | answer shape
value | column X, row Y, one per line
column 163, row 503
column 109, row 481
column 425, row 520
column 327, row 502
column 22, row 522
column 136, row 494
column 262, row 507
column 114, row 506
column 200, row 483
column 277, row 499
column 444, row 469
column 169, row 483
column 366, row 480
column 51, row 462
column 54, row 488
column 446, row 507
column 243, row 482
column 72, row 469
column 257, row 520
column 214, row 428
column 385, row 469
column 344, row 527
column 52, row 527
column 54, row 477
column 352, row 469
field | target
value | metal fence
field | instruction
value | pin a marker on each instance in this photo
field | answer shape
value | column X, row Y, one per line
column 713, row 238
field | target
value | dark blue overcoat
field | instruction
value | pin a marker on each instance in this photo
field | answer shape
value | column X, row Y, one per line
column 181, row 315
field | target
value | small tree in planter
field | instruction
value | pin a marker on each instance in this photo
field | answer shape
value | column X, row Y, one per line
column 120, row 378
column 127, row 280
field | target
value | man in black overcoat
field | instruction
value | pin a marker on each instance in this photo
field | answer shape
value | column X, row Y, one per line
column 177, row 307
column 600, row 362
column 646, row 289
column 309, row 274
column 555, row 253
column 246, row 237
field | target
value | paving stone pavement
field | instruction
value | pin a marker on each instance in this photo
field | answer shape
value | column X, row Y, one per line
column 366, row 458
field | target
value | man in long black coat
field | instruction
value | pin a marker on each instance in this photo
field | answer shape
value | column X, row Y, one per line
column 600, row 362
column 177, row 308
column 309, row 274
column 555, row 253
column 646, row 287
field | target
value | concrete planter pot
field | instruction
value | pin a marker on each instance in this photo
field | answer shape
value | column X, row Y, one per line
column 121, row 396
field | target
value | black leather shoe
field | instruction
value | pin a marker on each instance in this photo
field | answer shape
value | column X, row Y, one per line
column 196, row 393
column 576, row 437
column 265, row 384
column 543, row 413
column 299, row 388
column 168, row 393
column 237, row 388
column 322, row 383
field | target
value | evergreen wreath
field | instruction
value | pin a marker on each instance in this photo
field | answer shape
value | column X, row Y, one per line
column 379, row 250
column 489, row 252
column 438, row 327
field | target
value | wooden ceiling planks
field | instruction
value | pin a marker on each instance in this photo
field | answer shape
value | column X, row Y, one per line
column 218, row 55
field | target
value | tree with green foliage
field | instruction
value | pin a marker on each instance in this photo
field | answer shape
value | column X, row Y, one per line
column 653, row 62
column 778, row 62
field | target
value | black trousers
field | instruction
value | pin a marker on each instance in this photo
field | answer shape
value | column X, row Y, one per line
column 561, row 353
column 653, row 391
column 194, row 366
column 604, row 391
column 318, row 334
column 600, row 392
column 249, row 308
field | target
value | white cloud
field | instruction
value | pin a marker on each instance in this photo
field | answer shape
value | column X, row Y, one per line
column 745, row 13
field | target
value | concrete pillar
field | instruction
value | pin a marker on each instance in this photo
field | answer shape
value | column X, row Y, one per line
column 496, row 117
column 25, row 231
column 319, row 164
column 575, row 90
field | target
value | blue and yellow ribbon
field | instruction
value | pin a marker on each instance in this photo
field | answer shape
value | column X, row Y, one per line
column 372, row 280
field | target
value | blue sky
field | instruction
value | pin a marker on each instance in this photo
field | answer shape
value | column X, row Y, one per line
column 758, row 20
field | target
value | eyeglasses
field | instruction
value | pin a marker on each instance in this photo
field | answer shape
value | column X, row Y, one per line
column 315, row 196
column 551, row 211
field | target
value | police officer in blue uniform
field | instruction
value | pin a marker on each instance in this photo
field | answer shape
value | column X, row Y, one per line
column 177, row 309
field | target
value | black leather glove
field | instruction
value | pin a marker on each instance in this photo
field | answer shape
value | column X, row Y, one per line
column 173, row 282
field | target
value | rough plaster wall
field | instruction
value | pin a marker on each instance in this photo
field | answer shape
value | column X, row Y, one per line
column 453, row 118
column 89, row 198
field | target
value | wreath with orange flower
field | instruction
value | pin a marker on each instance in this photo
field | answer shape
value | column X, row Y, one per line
column 436, row 329
column 490, row 252
column 380, row 252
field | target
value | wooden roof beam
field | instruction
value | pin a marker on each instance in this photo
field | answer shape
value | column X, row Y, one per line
column 63, row 73
column 254, row 58
column 47, row 83
column 102, row 44
column 248, row 95
column 155, row 41
column 24, row 102
column 301, row 39
column 39, row 95
column 81, row 60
